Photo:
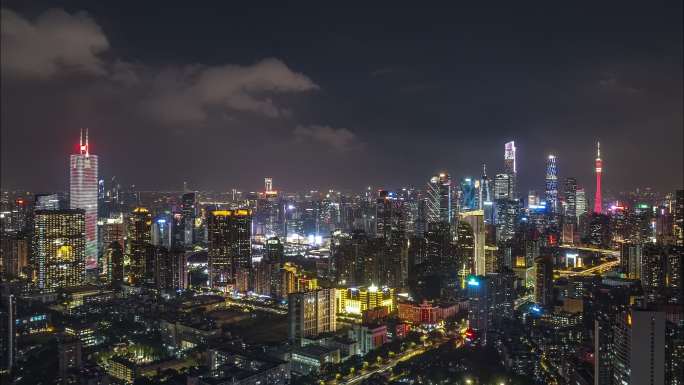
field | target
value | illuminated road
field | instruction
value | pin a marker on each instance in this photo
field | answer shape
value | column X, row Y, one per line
column 389, row 365
column 253, row 306
column 602, row 268
column 614, row 253
column 523, row 300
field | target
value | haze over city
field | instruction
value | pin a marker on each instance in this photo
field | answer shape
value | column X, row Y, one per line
column 333, row 97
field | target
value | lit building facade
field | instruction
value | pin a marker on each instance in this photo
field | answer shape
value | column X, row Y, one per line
column 138, row 246
column 551, row 184
column 358, row 300
column 570, row 195
column 425, row 313
column 60, row 243
column 502, row 186
column 83, row 195
column 510, row 168
column 581, row 198
column 639, row 344
column 229, row 239
column 469, row 195
column 475, row 219
column 311, row 313
column 439, row 199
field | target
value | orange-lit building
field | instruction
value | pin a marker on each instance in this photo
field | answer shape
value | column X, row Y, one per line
column 426, row 313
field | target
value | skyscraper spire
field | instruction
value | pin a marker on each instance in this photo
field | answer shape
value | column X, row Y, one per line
column 598, row 203
column 87, row 150
column 80, row 141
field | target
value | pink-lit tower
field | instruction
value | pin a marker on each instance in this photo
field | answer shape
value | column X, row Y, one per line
column 83, row 194
column 599, row 165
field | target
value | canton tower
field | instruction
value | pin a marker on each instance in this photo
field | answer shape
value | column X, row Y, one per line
column 599, row 164
column 83, row 195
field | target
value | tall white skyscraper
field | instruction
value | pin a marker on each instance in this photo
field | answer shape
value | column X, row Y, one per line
column 581, row 202
column 502, row 186
column 439, row 194
column 83, row 195
column 510, row 168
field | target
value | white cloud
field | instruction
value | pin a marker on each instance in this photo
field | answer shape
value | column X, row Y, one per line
column 54, row 41
column 57, row 43
column 338, row 138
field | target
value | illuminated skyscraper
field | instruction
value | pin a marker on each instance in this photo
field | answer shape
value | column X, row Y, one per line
column 571, row 199
column 510, row 168
column 311, row 313
column 162, row 232
column 486, row 198
column 113, row 257
column 502, row 186
column 138, row 245
column 484, row 191
column 111, row 230
column 581, row 198
column 507, row 213
column 479, row 305
column 639, row 347
column 189, row 210
column 83, row 195
column 390, row 221
column 229, row 238
column 598, row 203
column 551, row 185
column 679, row 218
column 60, row 248
column 469, row 195
column 475, row 219
column 543, row 287
column 439, row 199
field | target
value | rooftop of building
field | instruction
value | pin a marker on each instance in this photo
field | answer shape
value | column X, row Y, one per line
column 313, row 350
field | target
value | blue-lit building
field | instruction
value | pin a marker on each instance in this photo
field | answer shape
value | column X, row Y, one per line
column 469, row 196
column 536, row 215
column 162, row 232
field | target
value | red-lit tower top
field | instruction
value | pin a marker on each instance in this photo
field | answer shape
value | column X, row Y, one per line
column 84, row 147
column 599, row 166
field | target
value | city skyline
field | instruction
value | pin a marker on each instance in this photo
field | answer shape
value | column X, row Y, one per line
column 346, row 119
column 509, row 169
column 295, row 194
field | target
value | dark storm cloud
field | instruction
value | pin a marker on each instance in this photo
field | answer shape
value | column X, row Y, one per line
column 59, row 42
column 340, row 139
column 318, row 98
column 183, row 95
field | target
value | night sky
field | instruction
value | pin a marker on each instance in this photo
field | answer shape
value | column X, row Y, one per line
column 322, row 97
